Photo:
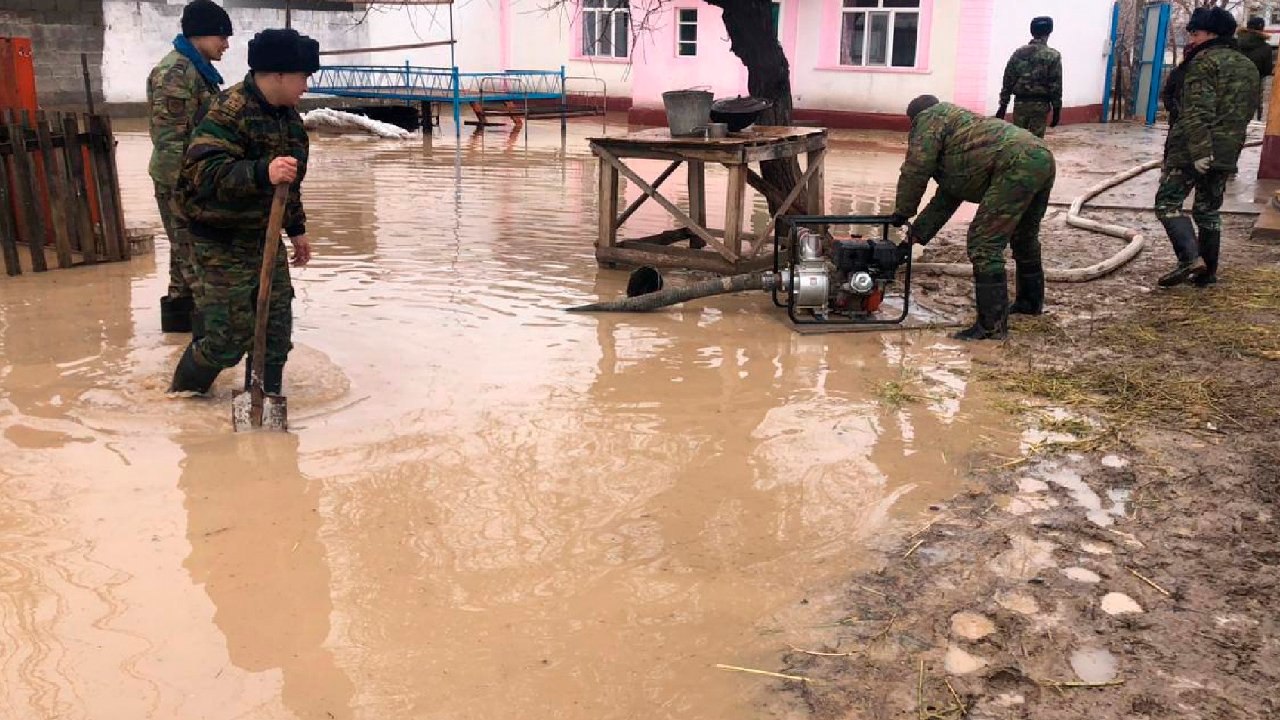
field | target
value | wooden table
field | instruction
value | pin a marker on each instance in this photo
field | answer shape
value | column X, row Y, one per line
column 726, row 250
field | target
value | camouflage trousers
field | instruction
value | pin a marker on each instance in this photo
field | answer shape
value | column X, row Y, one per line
column 182, row 273
column 1032, row 116
column 228, row 297
column 1177, row 183
column 1011, row 210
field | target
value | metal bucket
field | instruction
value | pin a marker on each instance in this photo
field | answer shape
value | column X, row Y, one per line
column 687, row 110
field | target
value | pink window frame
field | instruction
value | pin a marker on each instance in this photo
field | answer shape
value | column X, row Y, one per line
column 829, row 41
column 575, row 30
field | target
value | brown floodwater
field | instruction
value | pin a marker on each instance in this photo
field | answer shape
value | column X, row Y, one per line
column 486, row 508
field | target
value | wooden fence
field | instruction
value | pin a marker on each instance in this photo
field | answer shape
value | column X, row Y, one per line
column 59, row 191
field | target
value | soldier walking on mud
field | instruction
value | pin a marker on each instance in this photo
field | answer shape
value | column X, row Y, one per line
column 1254, row 44
column 1033, row 76
column 179, row 88
column 1211, row 96
column 1006, row 170
column 251, row 140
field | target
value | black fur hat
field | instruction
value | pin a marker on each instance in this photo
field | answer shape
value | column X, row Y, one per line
column 1214, row 20
column 288, row 51
column 1256, row 23
column 205, row 17
column 1041, row 26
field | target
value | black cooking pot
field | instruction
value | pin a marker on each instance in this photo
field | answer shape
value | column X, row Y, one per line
column 738, row 112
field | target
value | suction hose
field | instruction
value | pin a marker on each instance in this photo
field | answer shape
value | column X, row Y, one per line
column 1136, row 242
column 676, row 295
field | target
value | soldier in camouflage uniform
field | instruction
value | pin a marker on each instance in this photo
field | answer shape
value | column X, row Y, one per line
column 179, row 87
column 1034, row 76
column 1009, row 173
column 251, row 140
column 1210, row 96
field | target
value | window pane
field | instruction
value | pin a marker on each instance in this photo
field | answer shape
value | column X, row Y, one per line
column 592, row 3
column 688, row 33
column 878, row 39
column 902, row 3
column 619, row 4
column 862, row 3
column 852, row 36
column 589, row 33
column 688, row 49
column 621, row 33
column 776, row 11
column 905, row 33
column 604, row 46
column 688, row 15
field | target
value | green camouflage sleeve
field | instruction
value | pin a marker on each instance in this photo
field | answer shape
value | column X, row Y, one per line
column 1055, row 81
column 1199, row 103
column 935, row 215
column 216, row 163
column 1010, row 77
column 923, row 147
column 172, row 103
column 295, row 217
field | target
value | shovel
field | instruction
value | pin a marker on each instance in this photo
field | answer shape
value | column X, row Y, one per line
column 255, row 408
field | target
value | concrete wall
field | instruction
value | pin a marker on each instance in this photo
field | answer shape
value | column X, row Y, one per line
column 1081, row 35
column 59, row 30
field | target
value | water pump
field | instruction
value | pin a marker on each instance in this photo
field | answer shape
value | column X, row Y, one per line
column 843, row 281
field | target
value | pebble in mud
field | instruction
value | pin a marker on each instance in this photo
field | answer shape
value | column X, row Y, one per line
column 1120, row 604
column 959, row 662
column 1082, row 575
column 1019, row 603
column 1114, row 462
column 1094, row 665
column 971, row 626
column 1094, row 548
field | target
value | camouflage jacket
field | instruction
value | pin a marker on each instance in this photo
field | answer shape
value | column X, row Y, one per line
column 959, row 149
column 1255, row 46
column 1034, row 72
column 176, row 92
column 224, row 191
column 1216, row 91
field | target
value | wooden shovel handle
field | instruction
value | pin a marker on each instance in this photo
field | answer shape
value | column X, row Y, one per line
column 270, row 248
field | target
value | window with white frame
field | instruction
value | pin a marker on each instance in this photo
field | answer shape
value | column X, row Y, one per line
column 879, row 33
column 606, row 28
column 687, row 31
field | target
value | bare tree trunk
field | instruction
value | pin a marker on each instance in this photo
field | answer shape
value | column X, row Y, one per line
column 749, row 24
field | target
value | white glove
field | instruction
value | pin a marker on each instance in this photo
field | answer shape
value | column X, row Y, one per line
column 1203, row 164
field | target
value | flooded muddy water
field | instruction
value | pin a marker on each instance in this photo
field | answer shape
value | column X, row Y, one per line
column 487, row 508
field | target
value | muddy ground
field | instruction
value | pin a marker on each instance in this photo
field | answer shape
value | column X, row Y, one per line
column 1126, row 565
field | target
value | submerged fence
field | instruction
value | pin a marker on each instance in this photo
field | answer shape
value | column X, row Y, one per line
column 59, row 191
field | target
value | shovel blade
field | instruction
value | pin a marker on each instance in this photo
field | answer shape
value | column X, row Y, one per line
column 275, row 412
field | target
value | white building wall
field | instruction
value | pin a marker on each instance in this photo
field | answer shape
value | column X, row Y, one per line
column 1081, row 32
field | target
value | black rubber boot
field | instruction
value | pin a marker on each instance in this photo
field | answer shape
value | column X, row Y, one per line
column 191, row 375
column 273, row 380
column 1030, row 297
column 1210, row 245
column 992, row 296
column 175, row 314
column 1182, row 234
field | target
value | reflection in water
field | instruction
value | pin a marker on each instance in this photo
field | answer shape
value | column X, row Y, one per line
column 504, row 510
column 253, row 522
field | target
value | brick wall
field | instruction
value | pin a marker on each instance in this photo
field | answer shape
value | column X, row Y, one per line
column 59, row 30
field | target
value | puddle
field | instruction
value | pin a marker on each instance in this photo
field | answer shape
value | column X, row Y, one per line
column 487, row 507
column 1094, row 665
column 1099, row 513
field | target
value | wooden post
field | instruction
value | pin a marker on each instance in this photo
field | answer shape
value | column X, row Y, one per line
column 99, row 160
column 113, row 177
column 8, row 234
column 733, row 209
column 82, row 216
column 815, row 197
column 697, row 199
column 23, row 186
column 608, row 202
column 53, row 184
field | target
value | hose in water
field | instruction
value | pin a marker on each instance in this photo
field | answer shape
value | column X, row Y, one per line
column 1136, row 242
column 676, row 295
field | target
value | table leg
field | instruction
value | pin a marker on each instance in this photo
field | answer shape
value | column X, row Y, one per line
column 608, row 204
column 733, row 208
column 815, row 198
column 697, row 199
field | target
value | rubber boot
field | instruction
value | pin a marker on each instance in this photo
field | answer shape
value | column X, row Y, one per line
column 1210, row 245
column 992, row 296
column 175, row 314
column 1030, row 297
column 273, row 379
column 191, row 375
column 197, row 324
column 1182, row 234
